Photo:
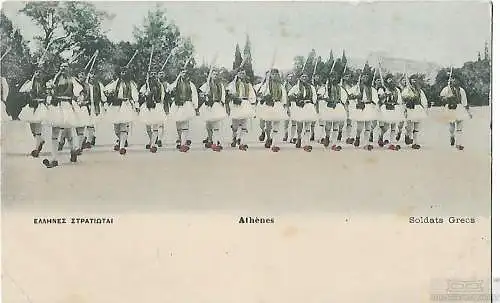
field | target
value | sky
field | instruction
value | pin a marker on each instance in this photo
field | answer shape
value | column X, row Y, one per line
column 446, row 33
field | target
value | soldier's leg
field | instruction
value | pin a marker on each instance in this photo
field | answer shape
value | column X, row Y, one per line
column 392, row 136
column 123, row 135
column 269, row 129
column 116, row 128
column 52, row 161
column 154, row 136
column 178, row 128
column 321, row 130
column 459, row 129
column 263, row 129
column 300, row 128
column 328, row 130
column 216, row 133
column 335, row 132
column 293, row 130
column 243, row 131
column 409, row 132
column 235, row 124
column 286, row 123
column 312, row 127
column 275, row 127
column 341, row 127
column 359, row 128
column 79, row 140
column 149, row 131
column 91, row 133
column 400, row 130
column 308, row 126
column 36, row 130
column 348, row 131
column 210, row 133
column 452, row 133
column 416, row 131
column 383, row 129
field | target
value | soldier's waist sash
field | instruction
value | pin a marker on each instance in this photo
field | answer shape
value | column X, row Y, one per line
column 119, row 101
column 56, row 100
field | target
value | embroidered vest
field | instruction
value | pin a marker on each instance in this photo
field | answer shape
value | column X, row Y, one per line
column 63, row 86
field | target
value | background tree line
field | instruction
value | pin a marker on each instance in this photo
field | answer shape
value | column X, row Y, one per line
column 74, row 31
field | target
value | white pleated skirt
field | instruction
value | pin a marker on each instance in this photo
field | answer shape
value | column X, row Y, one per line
column 245, row 110
column 64, row 115
column 392, row 115
column 416, row 114
column 5, row 116
column 326, row 113
column 155, row 115
column 369, row 113
column 303, row 114
column 213, row 113
column 277, row 112
column 452, row 115
column 182, row 113
column 124, row 113
column 31, row 115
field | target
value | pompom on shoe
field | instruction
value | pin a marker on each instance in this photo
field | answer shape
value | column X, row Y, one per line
column 123, row 151
column 268, row 144
column 50, row 164
column 336, row 147
column 275, row 149
column 308, row 148
column 153, row 149
column 183, row 148
column 262, row 137
column 243, row 147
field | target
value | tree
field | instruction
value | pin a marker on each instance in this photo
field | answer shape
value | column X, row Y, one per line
column 159, row 32
column 66, row 27
column 247, row 65
column 237, row 57
column 16, row 65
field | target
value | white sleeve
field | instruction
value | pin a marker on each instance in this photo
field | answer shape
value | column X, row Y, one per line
column 423, row 99
column 294, row 90
column 375, row 96
column 25, row 88
column 252, row 97
column 399, row 97
column 134, row 92
column 463, row 97
column 204, row 88
column 284, row 96
column 77, row 87
column 103, row 96
column 314, row 95
column 231, row 87
column 110, row 87
column 143, row 89
column 223, row 97
column 194, row 95
column 343, row 95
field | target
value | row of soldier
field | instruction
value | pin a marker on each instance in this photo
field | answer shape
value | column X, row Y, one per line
column 72, row 105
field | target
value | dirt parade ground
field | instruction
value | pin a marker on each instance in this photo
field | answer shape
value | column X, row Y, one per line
column 347, row 225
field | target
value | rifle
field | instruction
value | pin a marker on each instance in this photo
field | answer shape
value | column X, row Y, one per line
column 92, row 102
column 268, row 71
column 8, row 50
column 149, row 68
column 133, row 56
column 168, row 57
column 449, row 77
column 314, row 70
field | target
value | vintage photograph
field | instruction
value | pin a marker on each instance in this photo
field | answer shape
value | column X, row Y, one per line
column 352, row 138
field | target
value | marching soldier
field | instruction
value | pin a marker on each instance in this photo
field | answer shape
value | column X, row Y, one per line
column 416, row 107
column 123, row 96
column 347, row 85
column 212, row 110
column 151, row 111
column 318, row 86
column 260, row 104
column 392, row 111
column 303, row 100
column 83, row 111
column 456, row 109
column 333, row 113
column 183, row 109
column 241, row 97
column 273, row 111
column 365, row 110
column 166, row 104
column 94, row 98
column 288, row 85
column 62, row 113
column 35, row 112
